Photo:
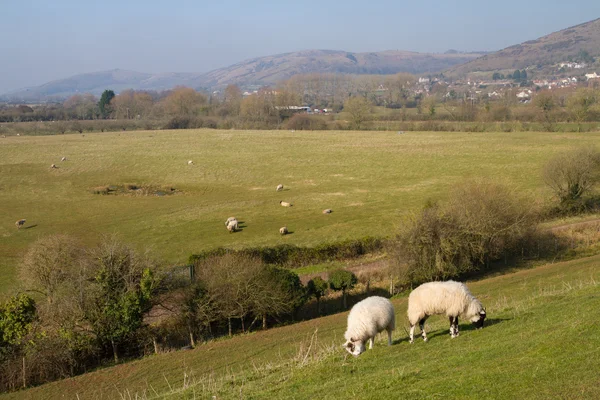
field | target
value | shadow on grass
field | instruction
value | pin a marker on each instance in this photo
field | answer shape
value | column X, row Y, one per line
column 30, row 226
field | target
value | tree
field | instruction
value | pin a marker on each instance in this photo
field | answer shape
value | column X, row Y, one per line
column 184, row 102
column 199, row 310
column 82, row 106
column 516, row 75
column 358, row 109
column 122, row 288
column 571, row 175
column 233, row 99
column 48, row 264
column 580, row 103
column 104, row 103
column 429, row 102
column 496, row 76
column 342, row 280
column 16, row 318
column 523, row 75
column 317, row 287
column 546, row 103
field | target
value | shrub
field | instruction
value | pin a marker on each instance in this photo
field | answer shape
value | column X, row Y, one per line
column 306, row 122
column 342, row 280
column 572, row 175
column 480, row 223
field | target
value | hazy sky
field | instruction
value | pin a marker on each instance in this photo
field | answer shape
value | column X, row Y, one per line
column 43, row 40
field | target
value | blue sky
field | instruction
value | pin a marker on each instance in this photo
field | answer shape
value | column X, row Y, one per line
column 45, row 40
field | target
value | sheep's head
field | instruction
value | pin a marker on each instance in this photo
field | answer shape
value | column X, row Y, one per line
column 478, row 319
column 354, row 347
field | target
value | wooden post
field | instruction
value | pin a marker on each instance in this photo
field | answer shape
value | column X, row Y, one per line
column 155, row 343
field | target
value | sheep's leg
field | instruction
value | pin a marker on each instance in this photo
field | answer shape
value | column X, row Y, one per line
column 371, row 340
column 456, row 326
column 451, row 326
column 389, row 331
column 422, row 326
column 412, row 333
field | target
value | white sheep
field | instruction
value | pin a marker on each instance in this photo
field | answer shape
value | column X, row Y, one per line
column 283, row 230
column 279, row 188
column 229, row 220
column 20, row 223
column 450, row 298
column 232, row 225
column 327, row 211
column 366, row 319
column 285, row 204
column 63, row 159
column 190, row 162
column 53, row 166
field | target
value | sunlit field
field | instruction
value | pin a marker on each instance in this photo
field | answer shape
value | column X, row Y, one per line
column 369, row 179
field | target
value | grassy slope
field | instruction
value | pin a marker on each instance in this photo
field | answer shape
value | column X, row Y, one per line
column 365, row 177
column 541, row 341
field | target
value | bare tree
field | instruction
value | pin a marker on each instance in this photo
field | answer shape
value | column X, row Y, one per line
column 358, row 109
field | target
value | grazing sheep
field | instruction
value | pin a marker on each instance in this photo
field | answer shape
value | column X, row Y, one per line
column 229, row 220
column 190, row 162
column 20, row 223
column 63, row 159
column 366, row 319
column 450, row 298
column 285, row 204
column 3, row 136
column 279, row 187
column 283, row 230
column 53, row 166
column 232, row 225
column 327, row 211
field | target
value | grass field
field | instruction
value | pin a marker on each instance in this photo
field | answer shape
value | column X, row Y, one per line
column 541, row 341
column 367, row 178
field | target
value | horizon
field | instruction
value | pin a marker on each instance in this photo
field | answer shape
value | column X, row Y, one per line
column 194, row 38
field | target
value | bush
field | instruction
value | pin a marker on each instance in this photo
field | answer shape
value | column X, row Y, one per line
column 480, row 223
column 342, row 280
column 306, row 122
column 571, row 176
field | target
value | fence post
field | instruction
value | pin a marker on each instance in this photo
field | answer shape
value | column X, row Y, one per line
column 192, row 273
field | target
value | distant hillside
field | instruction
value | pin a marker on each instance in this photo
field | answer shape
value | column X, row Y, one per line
column 272, row 69
column 547, row 50
column 97, row 82
column 258, row 71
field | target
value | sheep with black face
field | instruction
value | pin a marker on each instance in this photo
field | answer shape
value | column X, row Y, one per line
column 450, row 298
column 366, row 319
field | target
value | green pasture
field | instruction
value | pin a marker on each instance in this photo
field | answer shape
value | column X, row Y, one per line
column 541, row 341
column 369, row 179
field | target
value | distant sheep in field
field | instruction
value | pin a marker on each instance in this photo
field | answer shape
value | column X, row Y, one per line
column 20, row 223
column 63, row 159
column 53, row 166
column 190, row 162
column 285, row 204
column 232, row 225
column 366, row 319
column 450, row 298
column 283, row 230
column 229, row 220
column 327, row 211
column 279, row 187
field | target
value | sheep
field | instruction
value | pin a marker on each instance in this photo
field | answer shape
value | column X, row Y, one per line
column 63, row 159
column 366, row 319
column 327, row 211
column 190, row 162
column 20, row 223
column 283, row 230
column 53, row 166
column 229, row 220
column 232, row 224
column 279, row 188
column 450, row 298
column 285, row 204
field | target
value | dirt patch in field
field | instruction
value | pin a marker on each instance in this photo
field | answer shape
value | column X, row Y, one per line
column 132, row 189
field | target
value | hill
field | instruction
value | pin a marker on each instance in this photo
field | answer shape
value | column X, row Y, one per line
column 272, row 69
column 550, row 49
column 257, row 71
column 540, row 341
